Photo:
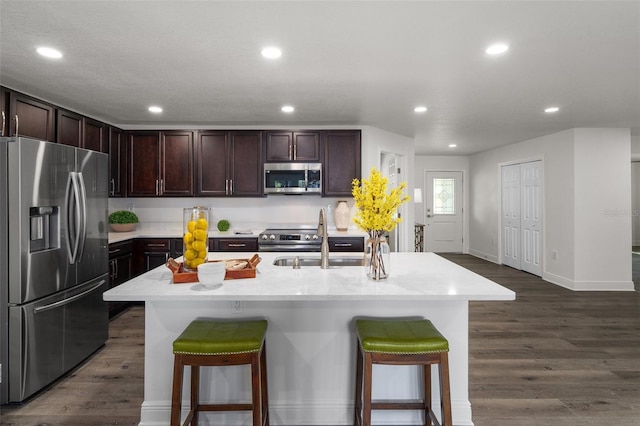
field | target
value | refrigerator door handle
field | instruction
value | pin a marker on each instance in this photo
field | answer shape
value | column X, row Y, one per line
column 70, row 226
column 82, row 201
column 69, row 300
column 76, row 201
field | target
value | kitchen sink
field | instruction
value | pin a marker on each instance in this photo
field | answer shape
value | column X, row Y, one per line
column 315, row 261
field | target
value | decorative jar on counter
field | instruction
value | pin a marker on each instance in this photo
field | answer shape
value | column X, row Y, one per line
column 342, row 215
column 196, row 236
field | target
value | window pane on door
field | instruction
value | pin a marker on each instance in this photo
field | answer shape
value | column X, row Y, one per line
column 443, row 196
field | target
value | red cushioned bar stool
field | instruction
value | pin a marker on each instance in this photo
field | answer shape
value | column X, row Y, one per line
column 401, row 342
column 221, row 343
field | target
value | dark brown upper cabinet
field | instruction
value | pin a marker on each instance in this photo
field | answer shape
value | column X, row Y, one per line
column 94, row 135
column 30, row 117
column 117, row 161
column 77, row 130
column 341, row 163
column 229, row 163
column 4, row 108
column 300, row 146
column 69, row 128
column 160, row 164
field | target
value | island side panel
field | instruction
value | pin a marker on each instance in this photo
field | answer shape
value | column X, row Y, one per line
column 310, row 357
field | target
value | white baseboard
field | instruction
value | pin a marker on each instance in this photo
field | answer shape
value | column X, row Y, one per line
column 157, row 413
column 588, row 285
column 484, row 256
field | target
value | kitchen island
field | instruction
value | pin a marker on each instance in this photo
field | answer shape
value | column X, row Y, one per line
column 310, row 340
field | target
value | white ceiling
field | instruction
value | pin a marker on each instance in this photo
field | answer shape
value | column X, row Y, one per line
column 344, row 63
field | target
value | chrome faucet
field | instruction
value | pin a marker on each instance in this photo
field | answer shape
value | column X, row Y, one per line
column 324, row 234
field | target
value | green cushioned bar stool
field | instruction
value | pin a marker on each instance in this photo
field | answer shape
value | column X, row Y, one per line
column 401, row 342
column 207, row 342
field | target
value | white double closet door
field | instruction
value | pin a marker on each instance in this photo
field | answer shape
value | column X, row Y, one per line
column 522, row 216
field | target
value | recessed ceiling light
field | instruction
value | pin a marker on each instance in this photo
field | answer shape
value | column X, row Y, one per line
column 287, row 109
column 452, row 145
column 551, row 110
column 155, row 109
column 271, row 52
column 49, row 52
column 496, row 49
column 420, row 109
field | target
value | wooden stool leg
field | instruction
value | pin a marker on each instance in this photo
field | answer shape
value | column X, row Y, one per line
column 445, row 390
column 357, row 401
column 264, row 386
column 255, row 389
column 427, row 394
column 176, row 398
column 366, row 404
column 195, row 394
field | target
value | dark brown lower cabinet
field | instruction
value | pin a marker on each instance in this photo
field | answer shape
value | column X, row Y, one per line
column 150, row 253
column 348, row 244
column 120, row 270
column 233, row 244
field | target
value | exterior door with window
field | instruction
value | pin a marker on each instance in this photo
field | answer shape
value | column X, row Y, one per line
column 443, row 211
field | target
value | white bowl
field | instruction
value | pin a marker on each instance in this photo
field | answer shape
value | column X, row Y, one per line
column 211, row 274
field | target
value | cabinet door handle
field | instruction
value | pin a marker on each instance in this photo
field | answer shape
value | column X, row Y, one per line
column 290, row 154
column 17, row 125
column 114, row 251
column 295, row 151
column 343, row 244
column 237, row 245
column 156, row 245
column 113, row 187
column 230, row 186
column 115, row 263
column 226, row 187
column 3, row 122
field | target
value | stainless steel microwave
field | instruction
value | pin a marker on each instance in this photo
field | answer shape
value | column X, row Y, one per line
column 293, row 178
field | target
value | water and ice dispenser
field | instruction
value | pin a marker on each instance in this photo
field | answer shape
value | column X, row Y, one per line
column 44, row 228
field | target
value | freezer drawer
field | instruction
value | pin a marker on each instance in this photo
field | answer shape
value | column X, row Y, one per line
column 50, row 336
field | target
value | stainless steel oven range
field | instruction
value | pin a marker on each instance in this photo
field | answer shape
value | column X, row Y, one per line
column 300, row 239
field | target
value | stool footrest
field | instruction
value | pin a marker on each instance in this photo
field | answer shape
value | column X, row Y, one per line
column 398, row 404
column 225, row 407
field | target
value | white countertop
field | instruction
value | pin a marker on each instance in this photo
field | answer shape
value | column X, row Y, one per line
column 413, row 276
column 170, row 230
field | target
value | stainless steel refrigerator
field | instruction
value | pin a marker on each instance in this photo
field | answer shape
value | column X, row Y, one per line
column 53, row 261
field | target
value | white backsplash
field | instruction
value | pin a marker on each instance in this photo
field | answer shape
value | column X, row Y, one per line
column 242, row 213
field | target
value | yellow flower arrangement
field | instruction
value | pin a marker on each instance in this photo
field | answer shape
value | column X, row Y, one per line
column 376, row 214
column 375, row 207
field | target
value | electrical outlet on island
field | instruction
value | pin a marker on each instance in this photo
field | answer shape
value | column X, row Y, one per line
column 236, row 306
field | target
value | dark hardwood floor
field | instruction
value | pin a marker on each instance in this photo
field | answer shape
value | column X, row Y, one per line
column 553, row 357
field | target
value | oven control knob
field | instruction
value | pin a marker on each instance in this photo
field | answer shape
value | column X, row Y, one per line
column 315, row 236
column 272, row 237
column 264, row 237
column 307, row 237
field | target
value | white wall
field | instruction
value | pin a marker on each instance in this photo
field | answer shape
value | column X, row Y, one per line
column 635, row 203
column 577, row 164
column 602, row 207
column 635, row 187
column 425, row 163
column 380, row 141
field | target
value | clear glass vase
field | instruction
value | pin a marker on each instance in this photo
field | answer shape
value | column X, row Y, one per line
column 195, row 237
column 377, row 258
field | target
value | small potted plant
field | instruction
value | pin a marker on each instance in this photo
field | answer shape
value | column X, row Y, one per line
column 123, row 220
